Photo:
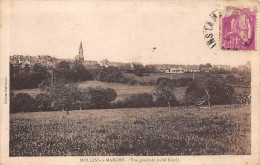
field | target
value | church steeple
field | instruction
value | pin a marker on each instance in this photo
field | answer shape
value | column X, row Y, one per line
column 81, row 57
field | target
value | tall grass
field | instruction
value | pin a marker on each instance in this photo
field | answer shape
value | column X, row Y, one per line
column 144, row 131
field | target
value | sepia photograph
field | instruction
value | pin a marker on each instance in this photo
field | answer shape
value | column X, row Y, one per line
column 105, row 84
column 87, row 107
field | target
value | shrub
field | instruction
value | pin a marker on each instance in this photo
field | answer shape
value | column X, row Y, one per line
column 151, row 82
column 97, row 97
column 125, row 80
column 133, row 82
column 22, row 102
column 143, row 83
column 139, row 73
column 135, row 101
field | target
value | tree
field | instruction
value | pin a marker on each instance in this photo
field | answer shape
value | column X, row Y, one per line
column 138, row 69
column 62, row 71
column 164, row 93
column 29, row 79
column 79, row 73
column 27, row 68
column 231, row 79
column 11, row 70
column 208, row 65
column 209, row 89
column 43, row 102
column 110, row 74
column 44, row 84
column 64, row 65
column 125, row 67
column 39, row 68
column 149, row 69
column 64, row 96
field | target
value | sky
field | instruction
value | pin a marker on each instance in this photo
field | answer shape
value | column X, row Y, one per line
column 151, row 32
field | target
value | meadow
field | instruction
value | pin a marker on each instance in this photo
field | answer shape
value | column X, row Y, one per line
column 219, row 130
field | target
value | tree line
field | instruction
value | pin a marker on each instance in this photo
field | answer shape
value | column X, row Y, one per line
column 72, row 72
column 208, row 90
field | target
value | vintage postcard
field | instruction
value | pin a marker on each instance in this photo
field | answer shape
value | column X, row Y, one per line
column 129, row 82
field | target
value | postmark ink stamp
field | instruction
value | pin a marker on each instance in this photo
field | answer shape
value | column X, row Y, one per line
column 209, row 31
column 238, row 29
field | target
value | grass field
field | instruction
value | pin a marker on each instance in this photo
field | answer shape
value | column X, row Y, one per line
column 146, row 131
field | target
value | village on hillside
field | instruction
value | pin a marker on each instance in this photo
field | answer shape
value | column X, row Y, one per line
column 25, row 61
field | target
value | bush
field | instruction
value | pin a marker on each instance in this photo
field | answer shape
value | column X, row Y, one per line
column 133, row 82
column 135, row 101
column 143, row 83
column 151, row 82
column 22, row 102
column 125, row 80
column 139, row 73
column 98, row 98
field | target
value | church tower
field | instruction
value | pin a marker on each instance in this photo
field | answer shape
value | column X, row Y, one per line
column 80, row 56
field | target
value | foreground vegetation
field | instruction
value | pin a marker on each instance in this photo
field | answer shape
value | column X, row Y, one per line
column 145, row 131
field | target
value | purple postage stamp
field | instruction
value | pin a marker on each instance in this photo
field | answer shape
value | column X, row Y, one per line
column 238, row 29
